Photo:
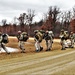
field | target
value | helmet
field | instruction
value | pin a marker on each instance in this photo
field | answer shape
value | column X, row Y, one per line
column 46, row 31
column 50, row 32
column 24, row 32
column 71, row 32
column 19, row 32
column 62, row 30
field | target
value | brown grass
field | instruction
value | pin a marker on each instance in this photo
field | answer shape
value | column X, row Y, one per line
column 29, row 48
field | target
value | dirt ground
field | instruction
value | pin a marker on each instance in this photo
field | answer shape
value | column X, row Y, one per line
column 54, row 62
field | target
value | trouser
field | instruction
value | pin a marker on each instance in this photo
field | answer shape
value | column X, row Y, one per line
column 38, row 46
column 22, row 45
column 72, row 42
column 49, row 44
column 63, row 44
column 3, row 46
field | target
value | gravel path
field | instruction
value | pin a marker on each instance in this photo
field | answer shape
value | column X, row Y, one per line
column 44, row 66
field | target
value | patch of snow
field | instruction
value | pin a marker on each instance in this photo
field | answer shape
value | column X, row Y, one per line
column 9, row 49
column 67, row 43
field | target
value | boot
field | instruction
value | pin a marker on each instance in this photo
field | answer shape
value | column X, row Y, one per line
column 63, row 49
column 41, row 48
column 37, row 50
column 8, row 53
column 49, row 49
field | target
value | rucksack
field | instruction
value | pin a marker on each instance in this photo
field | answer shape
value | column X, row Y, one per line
column 47, row 36
column 24, row 36
column 5, row 38
column 51, row 34
column 39, row 36
column 66, row 35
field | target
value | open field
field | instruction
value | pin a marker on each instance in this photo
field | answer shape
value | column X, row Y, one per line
column 54, row 62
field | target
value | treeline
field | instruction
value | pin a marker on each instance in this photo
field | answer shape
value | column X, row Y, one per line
column 53, row 20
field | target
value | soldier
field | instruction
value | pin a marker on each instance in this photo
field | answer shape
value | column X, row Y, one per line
column 18, row 36
column 66, row 41
column 67, row 35
column 72, row 37
column 38, row 39
column 49, row 40
column 63, row 38
column 51, row 33
column 3, row 41
column 22, row 38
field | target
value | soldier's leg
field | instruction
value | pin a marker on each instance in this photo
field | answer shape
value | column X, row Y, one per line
column 3, row 46
column 47, row 44
column 22, row 46
column 41, row 48
column 50, row 44
column 37, row 46
column 72, row 43
column 0, row 46
column 63, row 45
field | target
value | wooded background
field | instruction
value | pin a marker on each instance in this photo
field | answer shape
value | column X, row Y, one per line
column 54, row 20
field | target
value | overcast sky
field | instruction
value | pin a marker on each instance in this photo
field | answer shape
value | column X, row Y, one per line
column 11, row 8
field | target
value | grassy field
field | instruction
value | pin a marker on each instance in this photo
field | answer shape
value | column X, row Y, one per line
column 29, row 48
column 54, row 62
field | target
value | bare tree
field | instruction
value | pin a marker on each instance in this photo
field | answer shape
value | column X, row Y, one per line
column 73, row 12
column 53, row 14
column 26, row 18
column 30, row 16
column 4, row 21
column 22, row 18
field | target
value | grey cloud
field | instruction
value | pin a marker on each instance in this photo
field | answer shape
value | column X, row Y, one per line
column 12, row 8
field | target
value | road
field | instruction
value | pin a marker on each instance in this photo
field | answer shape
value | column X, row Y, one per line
column 43, row 63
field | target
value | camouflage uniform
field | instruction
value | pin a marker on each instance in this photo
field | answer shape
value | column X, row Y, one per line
column 52, row 35
column 72, row 37
column 38, row 40
column 2, row 45
column 63, row 39
column 22, row 46
column 49, row 40
column 21, row 43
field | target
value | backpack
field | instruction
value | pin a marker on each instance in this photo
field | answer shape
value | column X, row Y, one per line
column 47, row 36
column 66, row 35
column 24, row 36
column 5, row 38
column 39, row 36
column 51, row 34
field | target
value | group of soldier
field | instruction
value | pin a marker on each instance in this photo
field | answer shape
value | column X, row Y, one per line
column 39, row 35
column 64, row 36
column 48, row 36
